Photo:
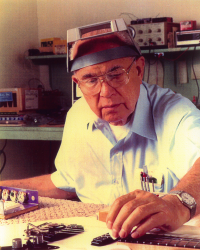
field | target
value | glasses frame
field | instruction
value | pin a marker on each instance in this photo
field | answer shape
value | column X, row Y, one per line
column 127, row 71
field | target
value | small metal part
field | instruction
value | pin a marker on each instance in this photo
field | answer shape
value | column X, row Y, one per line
column 5, row 194
column 13, row 195
column 22, row 197
column 144, row 181
column 147, row 180
column 17, row 243
column 38, row 239
column 141, row 180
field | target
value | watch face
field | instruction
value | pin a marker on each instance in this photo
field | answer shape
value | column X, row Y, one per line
column 187, row 198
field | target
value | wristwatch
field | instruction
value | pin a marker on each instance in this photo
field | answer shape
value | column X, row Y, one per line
column 187, row 200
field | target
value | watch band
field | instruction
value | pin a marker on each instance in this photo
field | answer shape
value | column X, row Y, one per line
column 192, row 207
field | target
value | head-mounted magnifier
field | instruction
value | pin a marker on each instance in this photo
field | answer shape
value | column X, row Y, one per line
column 105, row 28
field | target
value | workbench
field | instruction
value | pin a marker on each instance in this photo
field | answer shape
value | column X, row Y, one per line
column 48, row 133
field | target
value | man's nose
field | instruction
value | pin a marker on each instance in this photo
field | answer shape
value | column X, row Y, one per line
column 106, row 89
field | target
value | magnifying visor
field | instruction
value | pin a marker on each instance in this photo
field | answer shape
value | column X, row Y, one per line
column 95, row 31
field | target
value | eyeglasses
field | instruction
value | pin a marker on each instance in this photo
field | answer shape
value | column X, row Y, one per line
column 116, row 79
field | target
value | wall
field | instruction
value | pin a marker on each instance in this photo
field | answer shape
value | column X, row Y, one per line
column 56, row 16
column 19, row 32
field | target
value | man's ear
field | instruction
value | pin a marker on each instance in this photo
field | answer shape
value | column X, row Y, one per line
column 140, row 63
column 74, row 79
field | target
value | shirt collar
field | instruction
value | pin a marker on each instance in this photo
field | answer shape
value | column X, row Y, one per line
column 143, row 122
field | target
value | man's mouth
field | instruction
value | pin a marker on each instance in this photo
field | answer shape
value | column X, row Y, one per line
column 111, row 106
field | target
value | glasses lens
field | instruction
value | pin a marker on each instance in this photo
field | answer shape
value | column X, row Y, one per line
column 115, row 79
column 90, row 86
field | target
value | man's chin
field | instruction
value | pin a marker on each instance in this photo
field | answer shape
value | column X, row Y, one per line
column 116, row 121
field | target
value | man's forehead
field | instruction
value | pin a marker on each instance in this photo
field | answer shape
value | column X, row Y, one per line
column 102, row 68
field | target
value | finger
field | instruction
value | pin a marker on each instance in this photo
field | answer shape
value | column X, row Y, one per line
column 116, row 207
column 153, row 221
column 140, row 214
column 142, row 196
column 123, row 216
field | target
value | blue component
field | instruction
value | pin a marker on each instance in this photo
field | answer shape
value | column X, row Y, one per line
column 6, row 97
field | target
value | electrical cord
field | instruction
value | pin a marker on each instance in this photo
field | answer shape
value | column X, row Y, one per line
column 177, row 56
column 197, row 99
column 4, row 157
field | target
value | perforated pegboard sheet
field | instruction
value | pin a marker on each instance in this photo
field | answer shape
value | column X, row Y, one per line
column 55, row 209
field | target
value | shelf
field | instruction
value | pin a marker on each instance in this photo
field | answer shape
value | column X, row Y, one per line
column 61, row 59
column 48, row 59
column 171, row 50
column 50, row 133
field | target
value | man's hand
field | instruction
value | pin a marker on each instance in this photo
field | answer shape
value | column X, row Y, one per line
column 143, row 211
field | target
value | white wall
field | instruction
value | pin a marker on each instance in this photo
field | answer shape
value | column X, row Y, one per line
column 18, row 33
column 56, row 16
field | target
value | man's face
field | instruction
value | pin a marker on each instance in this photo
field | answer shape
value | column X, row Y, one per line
column 110, row 104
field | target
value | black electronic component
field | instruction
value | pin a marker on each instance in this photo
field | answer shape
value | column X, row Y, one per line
column 153, row 20
column 103, row 240
column 53, row 232
column 33, row 52
column 38, row 237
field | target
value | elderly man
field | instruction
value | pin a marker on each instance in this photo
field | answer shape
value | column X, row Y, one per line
column 121, row 126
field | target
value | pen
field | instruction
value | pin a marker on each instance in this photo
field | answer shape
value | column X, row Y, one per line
column 141, row 180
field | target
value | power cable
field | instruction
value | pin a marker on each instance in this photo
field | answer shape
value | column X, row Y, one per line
column 197, row 99
column 4, row 157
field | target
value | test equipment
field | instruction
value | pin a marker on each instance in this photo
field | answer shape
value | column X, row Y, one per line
column 18, row 99
column 188, row 38
column 154, row 35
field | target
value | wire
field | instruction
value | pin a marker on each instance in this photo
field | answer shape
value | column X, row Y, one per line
column 35, row 79
column 128, row 14
column 197, row 99
column 4, row 157
column 177, row 56
column 156, row 72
